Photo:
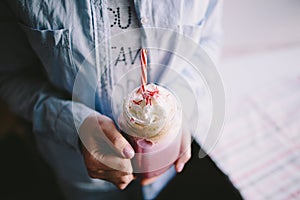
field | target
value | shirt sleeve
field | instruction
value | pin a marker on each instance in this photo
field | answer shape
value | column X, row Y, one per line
column 211, row 40
column 25, row 88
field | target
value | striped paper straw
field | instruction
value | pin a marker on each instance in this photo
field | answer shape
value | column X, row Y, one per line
column 143, row 69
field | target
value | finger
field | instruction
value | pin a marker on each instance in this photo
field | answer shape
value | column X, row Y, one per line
column 116, row 163
column 185, row 152
column 96, row 160
column 115, row 138
column 120, row 179
column 180, row 163
column 101, row 155
column 98, row 170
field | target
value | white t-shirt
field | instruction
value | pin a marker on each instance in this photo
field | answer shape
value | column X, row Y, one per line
column 125, row 49
column 123, row 18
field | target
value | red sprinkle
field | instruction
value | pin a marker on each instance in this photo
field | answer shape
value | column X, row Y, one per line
column 147, row 96
column 137, row 102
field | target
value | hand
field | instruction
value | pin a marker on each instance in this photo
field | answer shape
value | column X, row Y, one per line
column 183, row 158
column 105, row 151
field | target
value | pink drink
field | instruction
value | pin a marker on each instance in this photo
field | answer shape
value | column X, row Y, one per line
column 152, row 123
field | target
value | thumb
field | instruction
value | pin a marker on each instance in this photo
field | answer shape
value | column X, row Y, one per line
column 185, row 152
column 115, row 138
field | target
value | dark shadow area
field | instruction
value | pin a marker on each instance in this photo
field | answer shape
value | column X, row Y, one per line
column 24, row 175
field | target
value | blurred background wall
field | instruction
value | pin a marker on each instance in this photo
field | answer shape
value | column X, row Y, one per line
column 255, row 26
column 261, row 43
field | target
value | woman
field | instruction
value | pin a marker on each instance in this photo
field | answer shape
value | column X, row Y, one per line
column 46, row 43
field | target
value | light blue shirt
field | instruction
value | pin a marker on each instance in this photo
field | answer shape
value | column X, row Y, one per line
column 44, row 43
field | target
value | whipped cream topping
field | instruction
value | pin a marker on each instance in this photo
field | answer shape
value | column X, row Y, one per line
column 148, row 112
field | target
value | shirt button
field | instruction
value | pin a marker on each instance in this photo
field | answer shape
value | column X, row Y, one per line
column 144, row 20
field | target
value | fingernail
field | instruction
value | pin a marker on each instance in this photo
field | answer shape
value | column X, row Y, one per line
column 180, row 167
column 128, row 152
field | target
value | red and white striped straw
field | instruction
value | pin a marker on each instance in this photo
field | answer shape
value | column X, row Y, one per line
column 144, row 69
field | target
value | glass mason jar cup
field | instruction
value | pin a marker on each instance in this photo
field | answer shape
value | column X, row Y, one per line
column 156, row 142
